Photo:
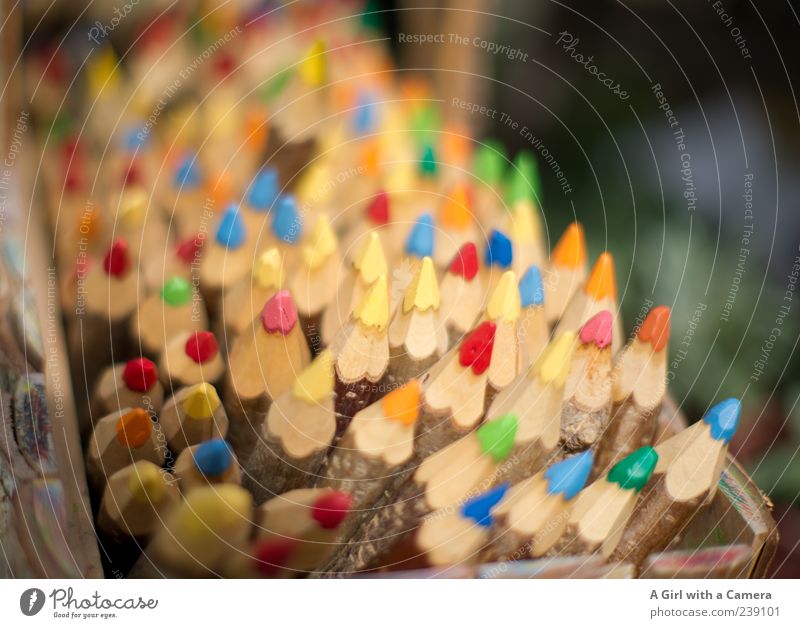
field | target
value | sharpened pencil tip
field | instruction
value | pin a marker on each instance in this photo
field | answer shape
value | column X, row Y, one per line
column 287, row 224
column 134, row 428
column 479, row 508
column 553, row 365
column 505, row 300
column 569, row 476
column 140, row 374
column 465, row 262
column 423, row 292
column 201, row 401
column 499, row 250
column 373, row 310
column 330, row 509
column 655, row 328
column 602, row 283
column 531, row 288
column 570, row 250
column 598, row 330
column 213, row 457
column 264, row 191
column 231, row 230
column 371, row 260
column 496, row 437
column 420, row 241
column 146, row 482
column 403, row 404
column 316, row 381
column 634, row 471
column 378, row 210
column 201, row 346
column 279, row 314
column 268, row 269
column 723, row 419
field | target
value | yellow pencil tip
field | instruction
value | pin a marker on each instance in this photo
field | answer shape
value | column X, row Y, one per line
column 314, row 187
column 553, row 365
column 321, row 244
column 268, row 270
column 504, row 302
column 524, row 223
column 312, row 68
column 316, row 381
column 102, row 71
column 208, row 510
column 373, row 310
column 371, row 261
column 133, row 207
column 602, row 284
column 423, row 291
column 146, row 482
column 201, row 401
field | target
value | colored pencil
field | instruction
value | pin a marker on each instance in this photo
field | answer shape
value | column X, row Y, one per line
column 504, row 309
column 602, row 510
column 488, row 166
column 376, row 219
column 457, row 392
column 566, row 271
column 498, row 258
column 536, row 399
column 261, row 197
column 534, row 332
column 120, row 439
column 639, row 383
column 227, row 259
column 462, row 296
column 457, row 223
column 244, row 301
column 361, row 354
column 191, row 358
column 417, row 335
column 264, row 362
column 296, row 435
column 185, row 198
column 524, row 228
column 534, row 513
column 597, row 294
column 419, row 244
column 209, row 462
column 295, row 533
column 133, row 384
column 193, row 415
column 315, row 283
column 686, row 477
column 368, row 265
column 587, row 391
column 448, row 538
column 445, row 479
column 287, row 229
column 134, row 500
column 199, row 537
column 166, row 313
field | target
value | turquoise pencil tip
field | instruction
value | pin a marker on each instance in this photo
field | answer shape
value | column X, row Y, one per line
column 723, row 419
column 264, row 191
column 498, row 250
column 420, row 240
column 287, row 224
column 569, row 476
column 531, row 288
column 213, row 457
column 479, row 508
column 365, row 115
column 230, row 232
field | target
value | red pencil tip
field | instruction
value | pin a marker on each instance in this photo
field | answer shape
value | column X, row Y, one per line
column 117, row 260
column 271, row 556
column 189, row 250
column 201, row 346
column 133, row 175
column 378, row 209
column 465, row 262
column 331, row 509
column 140, row 374
column 476, row 349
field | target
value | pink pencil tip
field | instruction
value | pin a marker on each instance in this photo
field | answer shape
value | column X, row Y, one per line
column 279, row 314
column 598, row 329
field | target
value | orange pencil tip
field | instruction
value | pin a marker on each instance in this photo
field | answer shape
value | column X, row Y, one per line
column 134, row 428
column 602, row 283
column 456, row 212
column 402, row 404
column 655, row 328
column 570, row 251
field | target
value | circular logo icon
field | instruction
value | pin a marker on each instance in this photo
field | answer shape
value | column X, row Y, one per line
column 31, row 601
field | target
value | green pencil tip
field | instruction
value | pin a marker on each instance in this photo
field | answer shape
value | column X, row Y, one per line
column 634, row 471
column 176, row 292
column 427, row 165
column 490, row 163
column 372, row 17
column 497, row 436
column 523, row 182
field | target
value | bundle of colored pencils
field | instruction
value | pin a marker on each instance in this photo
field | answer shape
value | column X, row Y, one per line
column 333, row 339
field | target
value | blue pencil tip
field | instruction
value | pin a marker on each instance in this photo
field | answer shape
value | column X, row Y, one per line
column 569, row 476
column 230, row 232
column 213, row 457
column 498, row 250
column 287, row 225
column 531, row 288
column 364, row 117
column 723, row 419
column 134, row 138
column 479, row 508
column 420, row 240
column 264, row 190
column 188, row 173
